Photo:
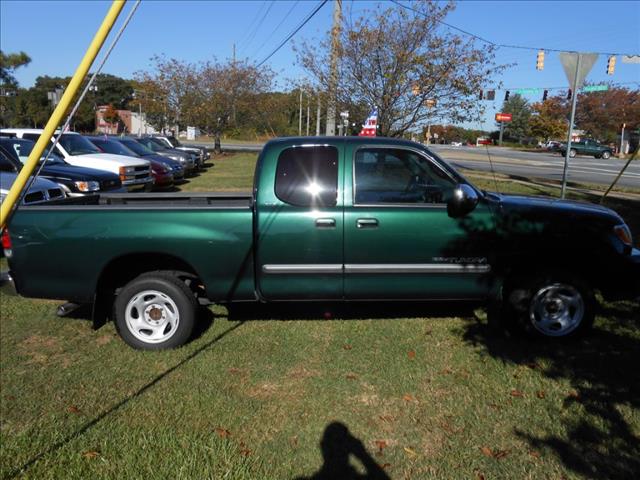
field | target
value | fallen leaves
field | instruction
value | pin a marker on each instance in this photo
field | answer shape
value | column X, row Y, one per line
column 346, row 346
column 541, row 394
column 407, row 397
column 410, row 452
column 223, row 432
column 495, row 454
column 411, row 354
column 517, row 393
column 351, row 376
column 73, row 409
column 91, row 454
column 381, row 445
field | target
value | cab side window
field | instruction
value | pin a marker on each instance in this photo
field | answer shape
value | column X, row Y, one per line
column 308, row 176
column 395, row 175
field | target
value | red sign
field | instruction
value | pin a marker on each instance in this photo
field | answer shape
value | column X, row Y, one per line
column 503, row 117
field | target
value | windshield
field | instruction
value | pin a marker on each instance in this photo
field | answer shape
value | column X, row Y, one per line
column 23, row 149
column 136, row 147
column 77, row 145
column 174, row 142
column 151, row 144
column 113, row 146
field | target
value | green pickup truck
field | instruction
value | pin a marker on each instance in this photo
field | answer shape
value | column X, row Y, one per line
column 586, row 147
column 329, row 219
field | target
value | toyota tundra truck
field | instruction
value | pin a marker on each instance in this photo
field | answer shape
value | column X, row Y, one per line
column 329, row 219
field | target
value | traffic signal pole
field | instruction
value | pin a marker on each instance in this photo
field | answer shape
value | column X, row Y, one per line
column 56, row 117
column 574, row 101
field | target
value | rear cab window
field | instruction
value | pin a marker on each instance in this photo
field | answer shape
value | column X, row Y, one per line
column 307, row 176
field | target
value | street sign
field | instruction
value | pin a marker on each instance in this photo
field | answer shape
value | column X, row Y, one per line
column 576, row 75
column 595, row 88
column 527, row 91
column 503, row 117
column 630, row 58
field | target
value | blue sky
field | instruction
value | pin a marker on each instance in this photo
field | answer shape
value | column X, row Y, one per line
column 56, row 33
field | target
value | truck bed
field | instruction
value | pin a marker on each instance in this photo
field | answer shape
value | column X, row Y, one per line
column 208, row 200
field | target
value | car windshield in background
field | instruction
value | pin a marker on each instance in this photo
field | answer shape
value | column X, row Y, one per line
column 149, row 143
column 136, row 147
column 174, row 142
column 158, row 142
column 77, row 145
column 23, row 149
column 113, row 146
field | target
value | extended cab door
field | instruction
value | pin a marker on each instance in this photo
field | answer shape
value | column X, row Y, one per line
column 400, row 243
column 299, row 221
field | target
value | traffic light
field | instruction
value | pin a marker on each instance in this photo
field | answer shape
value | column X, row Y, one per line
column 544, row 95
column 491, row 94
column 540, row 60
column 569, row 94
column 611, row 65
column 481, row 95
column 506, row 95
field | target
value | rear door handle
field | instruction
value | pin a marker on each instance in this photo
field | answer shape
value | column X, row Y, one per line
column 367, row 223
column 325, row 222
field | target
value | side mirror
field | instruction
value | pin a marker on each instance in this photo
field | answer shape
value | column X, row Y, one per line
column 463, row 201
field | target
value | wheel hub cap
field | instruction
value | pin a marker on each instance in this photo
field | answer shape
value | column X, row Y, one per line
column 556, row 310
column 152, row 316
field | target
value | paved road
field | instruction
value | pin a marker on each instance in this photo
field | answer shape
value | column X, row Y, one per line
column 541, row 165
column 523, row 164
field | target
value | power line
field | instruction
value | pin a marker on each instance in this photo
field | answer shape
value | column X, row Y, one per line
column 297, row 29
column 255, row 18
column 501, row 45
column 255, row 30
column 276, row 29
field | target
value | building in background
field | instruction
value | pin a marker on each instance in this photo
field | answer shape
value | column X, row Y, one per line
column 128, row 123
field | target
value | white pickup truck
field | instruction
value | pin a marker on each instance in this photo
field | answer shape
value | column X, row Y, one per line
column 134, row 173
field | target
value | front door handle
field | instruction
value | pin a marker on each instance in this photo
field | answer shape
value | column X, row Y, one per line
column 325, row 222
column 367, row 223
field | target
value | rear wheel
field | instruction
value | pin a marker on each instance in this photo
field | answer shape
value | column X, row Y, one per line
column 606, row 155
column 553, row 305
column 572, row 153
column 155, row 311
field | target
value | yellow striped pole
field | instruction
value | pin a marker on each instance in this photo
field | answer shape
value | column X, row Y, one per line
column 60, row 110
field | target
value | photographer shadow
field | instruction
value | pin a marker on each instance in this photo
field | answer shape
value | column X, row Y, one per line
column 338, row 445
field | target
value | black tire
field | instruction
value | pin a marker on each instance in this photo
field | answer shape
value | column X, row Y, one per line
column 572, row 153
column 605, row 155
column 169, row 298
column 542, row 305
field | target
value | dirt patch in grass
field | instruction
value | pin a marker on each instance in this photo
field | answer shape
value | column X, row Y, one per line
column 43, row 349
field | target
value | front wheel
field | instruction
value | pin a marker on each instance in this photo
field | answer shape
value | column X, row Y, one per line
column 551, row 306
column 155, row 311
column 606, row 155
column 572, row 153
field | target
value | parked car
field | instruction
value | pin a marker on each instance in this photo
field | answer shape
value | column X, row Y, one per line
column 587, row 147
column 552, row 146
column 148, row 154
column 134, row 173
column 41, row 191
column 456, row 144
column 330, row 219
column 75, row 181
column 162, row 173
column 186, row 159
column 201, row 153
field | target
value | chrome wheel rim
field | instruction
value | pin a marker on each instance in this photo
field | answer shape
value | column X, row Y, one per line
column 152, row 316
column 556, row 310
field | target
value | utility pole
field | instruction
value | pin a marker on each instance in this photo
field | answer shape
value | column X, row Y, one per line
column 622, row 139
column 300, row 115
column 574, row 100
column 308, row 113
column 501, row 130
column 333, row 76
column 318, row 114
column 233, row 103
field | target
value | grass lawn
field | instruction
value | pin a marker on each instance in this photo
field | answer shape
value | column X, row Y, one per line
column 395, row 391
